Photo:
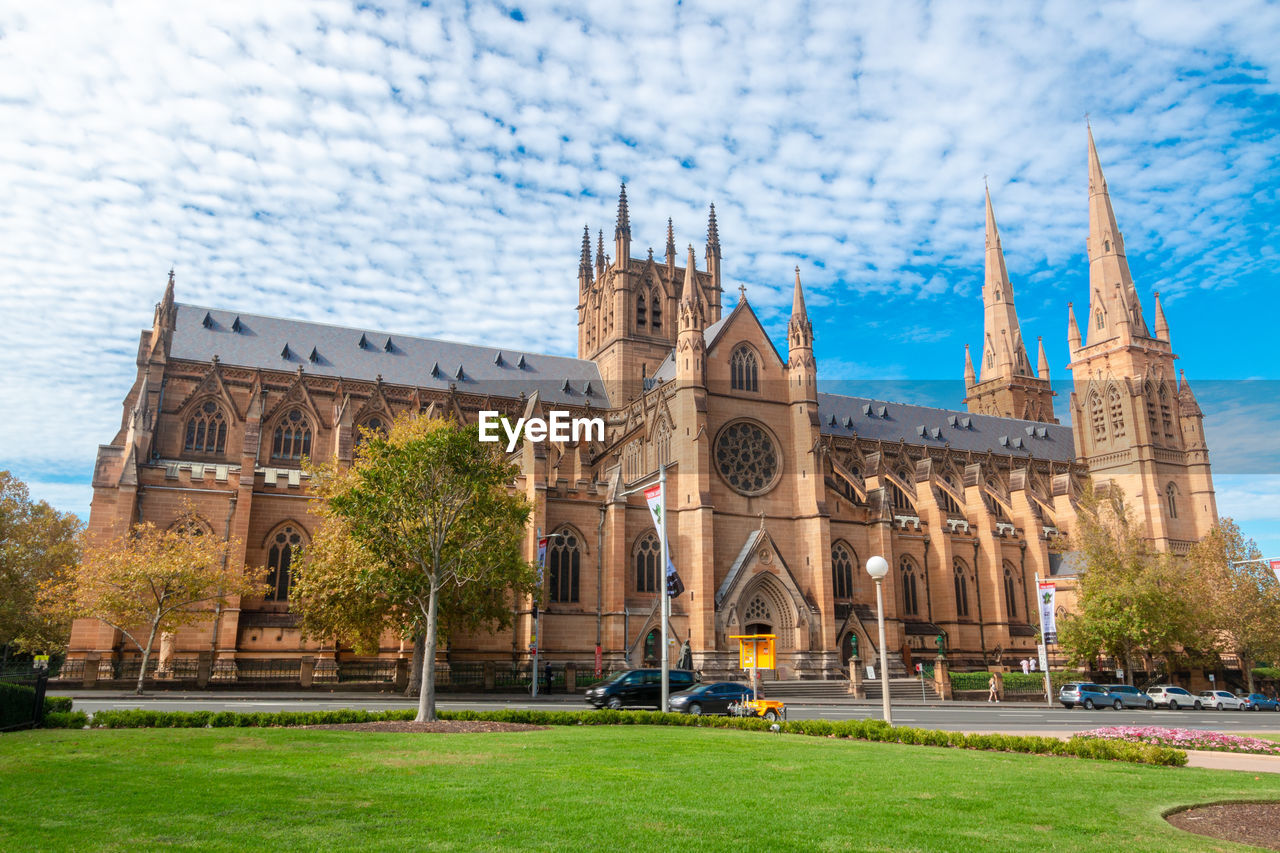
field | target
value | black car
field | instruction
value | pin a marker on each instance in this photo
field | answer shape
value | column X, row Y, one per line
column 712, row 698
column 638, row 688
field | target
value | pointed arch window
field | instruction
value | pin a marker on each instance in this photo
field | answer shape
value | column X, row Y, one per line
column 1117, row 412
column 1171, row 499
column 744, row 370
column 280, row 553
column 959, row 571
column 206, row 430
column 1153, row 421
column 655, row 315
column 648, row 556
column 1012, row 583
column 1098, row 417
column 1166, row 411
column 292, row 439
column 910, row 597
column 641, row 310
column 1099, row 319
column 662, row 443
column 843, row 561
column 372, row 426
column 564, row 559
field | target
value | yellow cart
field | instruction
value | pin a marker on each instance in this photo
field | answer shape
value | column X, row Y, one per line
column 756, row 652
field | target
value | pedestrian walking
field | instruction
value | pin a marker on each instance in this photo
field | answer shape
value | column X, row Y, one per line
column 547, row 670
column 993, row 692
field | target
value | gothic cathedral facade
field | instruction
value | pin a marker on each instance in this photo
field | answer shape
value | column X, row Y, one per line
column 778, row 493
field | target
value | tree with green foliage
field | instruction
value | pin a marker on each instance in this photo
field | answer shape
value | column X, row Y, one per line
column 38, row 544
column 422, row 534
column 1242, row 594
column 1131, row 598
column 152, row 581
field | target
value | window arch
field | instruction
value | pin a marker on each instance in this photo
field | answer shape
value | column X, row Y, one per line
column 280, row 553
column 1100, row 319
column 655, row 321
column 1166, row 410
column 843, row 566
column 1098, row 416
column 648, row 555
column 899, row 498
column 959, row 572
column 192, row 525
column 661, row 443
column 744, row 370
column 292, row 439
column 1012, row 584
column 1117, row 412
column 910, row 598
column 206, row 429
column 641, row 310
column 371, row 426
column 1171, row 499
column 564, row 559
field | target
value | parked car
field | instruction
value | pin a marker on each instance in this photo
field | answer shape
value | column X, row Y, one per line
column 712, row 698
column 1221, row 699
column 1259, row 702
column 637, row 688
column 1174, row 698
column 1128, row 696
column 1085, row 694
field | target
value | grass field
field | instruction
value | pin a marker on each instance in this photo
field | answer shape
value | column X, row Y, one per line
column 580, row 788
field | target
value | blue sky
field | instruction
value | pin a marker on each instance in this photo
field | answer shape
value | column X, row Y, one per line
column 428, row 169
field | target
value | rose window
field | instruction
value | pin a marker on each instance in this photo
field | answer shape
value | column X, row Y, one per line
column 747, row 458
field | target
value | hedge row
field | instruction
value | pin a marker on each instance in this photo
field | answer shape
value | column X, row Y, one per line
column 57, row 704
column 868, row 730
column 1012, row 680
column 16, row 702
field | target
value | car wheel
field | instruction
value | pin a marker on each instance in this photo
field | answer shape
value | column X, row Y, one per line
column 695, row 709
column 1197, row 706
column 1219, row 706
column 1150, row 705
column 1173, row 704
column 1068, row 705
column 771, row 715
column 1118, row 705
column 1088, row 705
column 615, row 704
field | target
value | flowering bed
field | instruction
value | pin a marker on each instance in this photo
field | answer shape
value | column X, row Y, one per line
column 1184, row 739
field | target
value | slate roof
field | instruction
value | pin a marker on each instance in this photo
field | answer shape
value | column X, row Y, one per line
column 928, row 426
column 252, row 340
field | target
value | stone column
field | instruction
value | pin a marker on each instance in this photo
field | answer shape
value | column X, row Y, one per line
column 306, row 671
column 941, row 678
column 571, row 678
column 856, row 687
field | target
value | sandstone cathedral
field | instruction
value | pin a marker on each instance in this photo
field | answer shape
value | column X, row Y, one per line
column 777, row 493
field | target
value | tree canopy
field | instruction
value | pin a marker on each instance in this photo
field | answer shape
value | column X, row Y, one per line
column 422, row 535
column 38, row 544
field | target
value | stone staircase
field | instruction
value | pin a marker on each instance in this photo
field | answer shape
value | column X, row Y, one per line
column 902, row 689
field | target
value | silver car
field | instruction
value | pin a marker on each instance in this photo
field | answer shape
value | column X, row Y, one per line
column 1222, row 700
column 1128, row 696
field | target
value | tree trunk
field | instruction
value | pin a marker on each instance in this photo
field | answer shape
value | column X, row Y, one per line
column 427, row 698
column 1128, row 668
column 1247, row 666
column 414, row 687
column 146, row 656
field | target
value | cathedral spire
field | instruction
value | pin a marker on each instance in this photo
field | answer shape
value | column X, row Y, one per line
column 1108, row 266
column 1073, row 330
column 799, row 330
column 1162, row 325
column 622, row 232
column 166, row 312
column 600, row 253
column 690, row 293
column 970, row 377
column 1004, row 353
column 713, row 234
column 584, row 262
column 671, row 243
column 1042, row 367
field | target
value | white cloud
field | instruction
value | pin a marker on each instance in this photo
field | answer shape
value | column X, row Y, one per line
column 427, row 170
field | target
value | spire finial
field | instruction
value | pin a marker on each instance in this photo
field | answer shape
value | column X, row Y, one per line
column 671, row 242
column 742, row 292
column 584, row 262
column 623, row 228
column 713, row 233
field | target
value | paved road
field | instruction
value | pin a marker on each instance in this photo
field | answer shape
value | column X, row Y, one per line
column 956, row 716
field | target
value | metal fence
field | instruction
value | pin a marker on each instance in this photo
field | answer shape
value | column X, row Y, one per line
column 269, row 669
column 22, row 699
column 378, row 671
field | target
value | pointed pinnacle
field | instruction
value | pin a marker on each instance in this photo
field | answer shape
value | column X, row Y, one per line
column 1162, row 325
column 797, row 299
column 1097, row 182
column 1042, row 368
column 623, row 228
column 970, row 375
column 671, row 241
column 993, row 234
column 713, row 233
column 584, row 263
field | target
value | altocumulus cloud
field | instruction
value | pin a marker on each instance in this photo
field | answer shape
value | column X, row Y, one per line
column 428, row 170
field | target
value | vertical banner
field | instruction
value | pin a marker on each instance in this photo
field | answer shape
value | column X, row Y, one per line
column 657, row 506
column 1275, row 567
column 542, row 558
column 1048, row 621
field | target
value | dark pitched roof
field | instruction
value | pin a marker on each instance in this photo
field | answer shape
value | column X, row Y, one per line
column 324, row 350
column 925, row 425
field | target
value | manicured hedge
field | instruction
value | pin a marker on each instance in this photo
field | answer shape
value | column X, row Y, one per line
column 1012, row 680
column 16, row 702
column 56, row 704
column 869, row 730
column 65, row 719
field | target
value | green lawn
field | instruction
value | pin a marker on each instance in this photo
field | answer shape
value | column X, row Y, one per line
column 576, row 788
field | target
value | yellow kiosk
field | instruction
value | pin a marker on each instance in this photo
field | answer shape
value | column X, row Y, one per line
column 756, row 652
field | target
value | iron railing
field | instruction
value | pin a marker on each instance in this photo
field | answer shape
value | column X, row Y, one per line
column 378, row 671
column 268, row 669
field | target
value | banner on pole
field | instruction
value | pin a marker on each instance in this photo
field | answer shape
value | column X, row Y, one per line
column 1275, row 567
column 542, row 558
column 657, row 506
column 1048, row 613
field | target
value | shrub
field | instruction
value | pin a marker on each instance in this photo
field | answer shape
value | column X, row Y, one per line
column 66, row 720
column 55, row 704
column 1272, row 672
column 16, row 702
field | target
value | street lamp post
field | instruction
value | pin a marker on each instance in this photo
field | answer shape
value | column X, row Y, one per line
column 878, row 567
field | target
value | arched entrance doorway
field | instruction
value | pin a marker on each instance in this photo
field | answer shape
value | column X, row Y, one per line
column 651, row 641
column 846, row 649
